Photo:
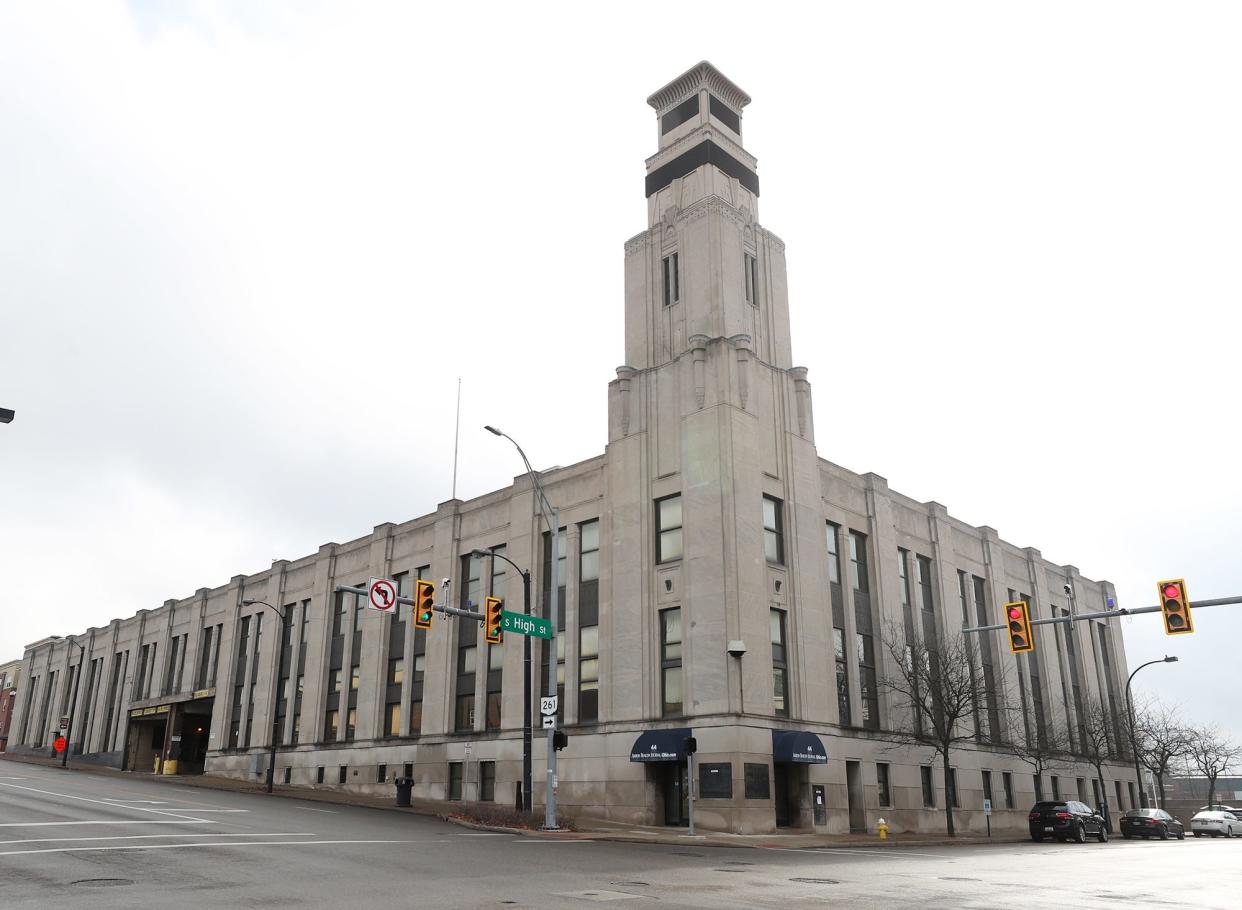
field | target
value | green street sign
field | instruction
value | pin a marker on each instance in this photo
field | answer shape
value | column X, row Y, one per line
column 525, row 625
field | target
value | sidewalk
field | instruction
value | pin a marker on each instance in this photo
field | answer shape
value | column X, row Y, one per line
column 588, row 829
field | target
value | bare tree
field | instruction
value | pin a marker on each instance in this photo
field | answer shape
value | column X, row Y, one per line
column 1098, row 745
column 1211, row 753
column 1043, row 751
column 1162, row 740
column 934, row 692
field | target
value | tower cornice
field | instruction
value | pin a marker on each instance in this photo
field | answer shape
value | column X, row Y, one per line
column 702, row 75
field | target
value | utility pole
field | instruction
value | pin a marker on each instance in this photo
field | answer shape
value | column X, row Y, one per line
column 280, row 650
column 73, row 705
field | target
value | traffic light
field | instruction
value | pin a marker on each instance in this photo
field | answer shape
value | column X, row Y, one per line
column 1018, row 622
column 491, row 620
column 560, row 740
column 424, row 600
column 1175, row 607
column 691, row 745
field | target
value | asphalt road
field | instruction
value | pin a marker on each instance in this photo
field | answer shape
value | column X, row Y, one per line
column 73, row 838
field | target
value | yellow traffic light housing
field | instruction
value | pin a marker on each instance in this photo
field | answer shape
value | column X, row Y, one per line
column 491, row 620
column 1175, row 607
column 1018, row 624
column 424, row 603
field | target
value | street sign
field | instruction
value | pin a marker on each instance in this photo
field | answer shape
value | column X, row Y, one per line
column 381, row 595
column 59, row 744
column 525, row 625
column 468, row 748
column 548, row 704
column 987, row 807
column 549, row 722
column 64, row 721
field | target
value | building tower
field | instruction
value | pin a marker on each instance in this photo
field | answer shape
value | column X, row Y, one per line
column 712, row 473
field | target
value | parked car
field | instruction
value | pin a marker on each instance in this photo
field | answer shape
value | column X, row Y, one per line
column 1216, row 824
column 1151, row 823
column 1217, row 807
column 1066, row 819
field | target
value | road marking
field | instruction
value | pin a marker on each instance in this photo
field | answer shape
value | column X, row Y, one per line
column 256, row 843
column 481, row 834
column 521, row 839
column 51, row 840
column 150, row 802
column 101, row 802
column 201, row 811
column 12, row 778
column 193, row 821
column 309, row 809
column 850, row 851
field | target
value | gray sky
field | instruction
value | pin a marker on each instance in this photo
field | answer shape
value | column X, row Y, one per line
column 246, row 250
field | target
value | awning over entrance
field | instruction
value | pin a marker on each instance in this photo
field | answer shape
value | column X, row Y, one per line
column 661, row 745
column 798, row 746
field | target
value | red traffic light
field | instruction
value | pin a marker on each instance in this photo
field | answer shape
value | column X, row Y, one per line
column 1015, row 613
column 1175, row 607
column 1171, row 591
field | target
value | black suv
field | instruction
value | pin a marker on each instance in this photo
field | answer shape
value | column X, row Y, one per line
column 1151, row 823
column 1066, row 820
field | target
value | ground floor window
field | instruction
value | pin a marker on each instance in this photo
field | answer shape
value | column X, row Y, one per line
column 487, row 781
column 881, row 779
column 319, row 775
column 381, row 774
column 1056, row 787
column 340, row 778
column 987, row 785
column 929, row 788
column 757, row 781
column 1007, row 783
column 454, row 785
column 952, row 794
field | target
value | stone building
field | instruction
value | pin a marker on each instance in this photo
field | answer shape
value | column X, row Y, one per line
column 719, row 578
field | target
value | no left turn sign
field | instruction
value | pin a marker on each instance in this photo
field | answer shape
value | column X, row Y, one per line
column 381, row 595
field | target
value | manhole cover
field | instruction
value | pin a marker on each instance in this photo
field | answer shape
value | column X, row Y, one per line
column 103, row 882
column 816, row 881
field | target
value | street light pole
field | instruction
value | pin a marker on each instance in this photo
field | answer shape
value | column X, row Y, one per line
column 271, row 756
column 73, row 705
column 1138, row 776
column 551, row 516
column 526, row 693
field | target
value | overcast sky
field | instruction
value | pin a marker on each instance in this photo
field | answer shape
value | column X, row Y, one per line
column 247, row 249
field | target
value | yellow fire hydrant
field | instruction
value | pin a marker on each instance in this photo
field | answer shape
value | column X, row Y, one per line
column 883, row 829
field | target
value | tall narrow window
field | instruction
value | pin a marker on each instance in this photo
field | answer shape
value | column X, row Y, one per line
column 257, row 625
column 987, row 785
column 672, row 280
column 1007, row 784
column 668, row 528
column 336, row 657
column 467, row 644
column 172, row 678
column 495, row 653
column 773, row 537
column 588, row 622
column 780, row 666
column 751, row 267
column 395, row 675
column 239, row 684
column 670, row 661
column 487, row 781
column 838, row 625
column 418, row 670
column 284, row 671
column 929, row 788
column 354, row 643
column 554, row 569
column 864, row 632
column 952, row 795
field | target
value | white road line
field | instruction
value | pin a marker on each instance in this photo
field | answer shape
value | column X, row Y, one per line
column 256, row 843
column 192, row 821
column 12, row 778
column 521, row 839
column 101, row 802
column 309, row 809
column 201, row 811
column 149, row 802
column 57, row 840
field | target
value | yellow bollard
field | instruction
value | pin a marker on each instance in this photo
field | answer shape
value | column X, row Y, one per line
column 883, row 829
column 170, row 766
column 156, row 769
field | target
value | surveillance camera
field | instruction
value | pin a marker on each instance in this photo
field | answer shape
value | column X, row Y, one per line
column 1068, row 589
column 736, row 648
column 445, row 582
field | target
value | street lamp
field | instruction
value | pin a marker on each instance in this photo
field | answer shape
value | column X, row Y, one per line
column 1138, row 777
column 526, row 693
column 271, row 758
column 552, row 517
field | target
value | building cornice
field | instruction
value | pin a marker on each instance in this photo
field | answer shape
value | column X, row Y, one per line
column 702, row 75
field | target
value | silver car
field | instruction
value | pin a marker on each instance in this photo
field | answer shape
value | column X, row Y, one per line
column 1216, row 824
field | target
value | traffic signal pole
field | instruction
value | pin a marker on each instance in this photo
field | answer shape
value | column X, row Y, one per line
column 73, row 706
column 451, row 611
column 1108, row 614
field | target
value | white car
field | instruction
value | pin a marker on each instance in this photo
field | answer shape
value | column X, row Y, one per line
column 1216, row 824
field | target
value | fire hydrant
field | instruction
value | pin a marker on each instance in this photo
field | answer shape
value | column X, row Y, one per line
column 883, row 829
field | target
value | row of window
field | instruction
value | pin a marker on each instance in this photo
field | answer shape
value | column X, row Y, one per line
column 671, row 279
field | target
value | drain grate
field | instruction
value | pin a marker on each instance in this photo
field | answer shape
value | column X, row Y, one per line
column 103, row 882
column 816, row 881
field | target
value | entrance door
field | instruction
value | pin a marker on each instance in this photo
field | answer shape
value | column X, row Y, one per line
column 785, row 780
column 854, row 792
column 673, row 787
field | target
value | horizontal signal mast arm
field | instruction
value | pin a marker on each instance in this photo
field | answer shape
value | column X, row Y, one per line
column 451, row 611
column 1108, row 614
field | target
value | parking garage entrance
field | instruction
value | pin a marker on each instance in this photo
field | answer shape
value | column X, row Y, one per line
column 170, row 738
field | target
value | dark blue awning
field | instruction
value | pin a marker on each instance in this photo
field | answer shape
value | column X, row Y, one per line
column 798, row 746
column 661, row 745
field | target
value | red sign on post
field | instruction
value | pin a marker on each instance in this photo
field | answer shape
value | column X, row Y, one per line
column 59, row 744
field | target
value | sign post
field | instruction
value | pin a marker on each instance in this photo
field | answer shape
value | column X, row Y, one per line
column 987, row 814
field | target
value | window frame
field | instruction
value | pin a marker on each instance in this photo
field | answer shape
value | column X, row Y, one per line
column 661, row 531
column 774, row 532
column 668, row 663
